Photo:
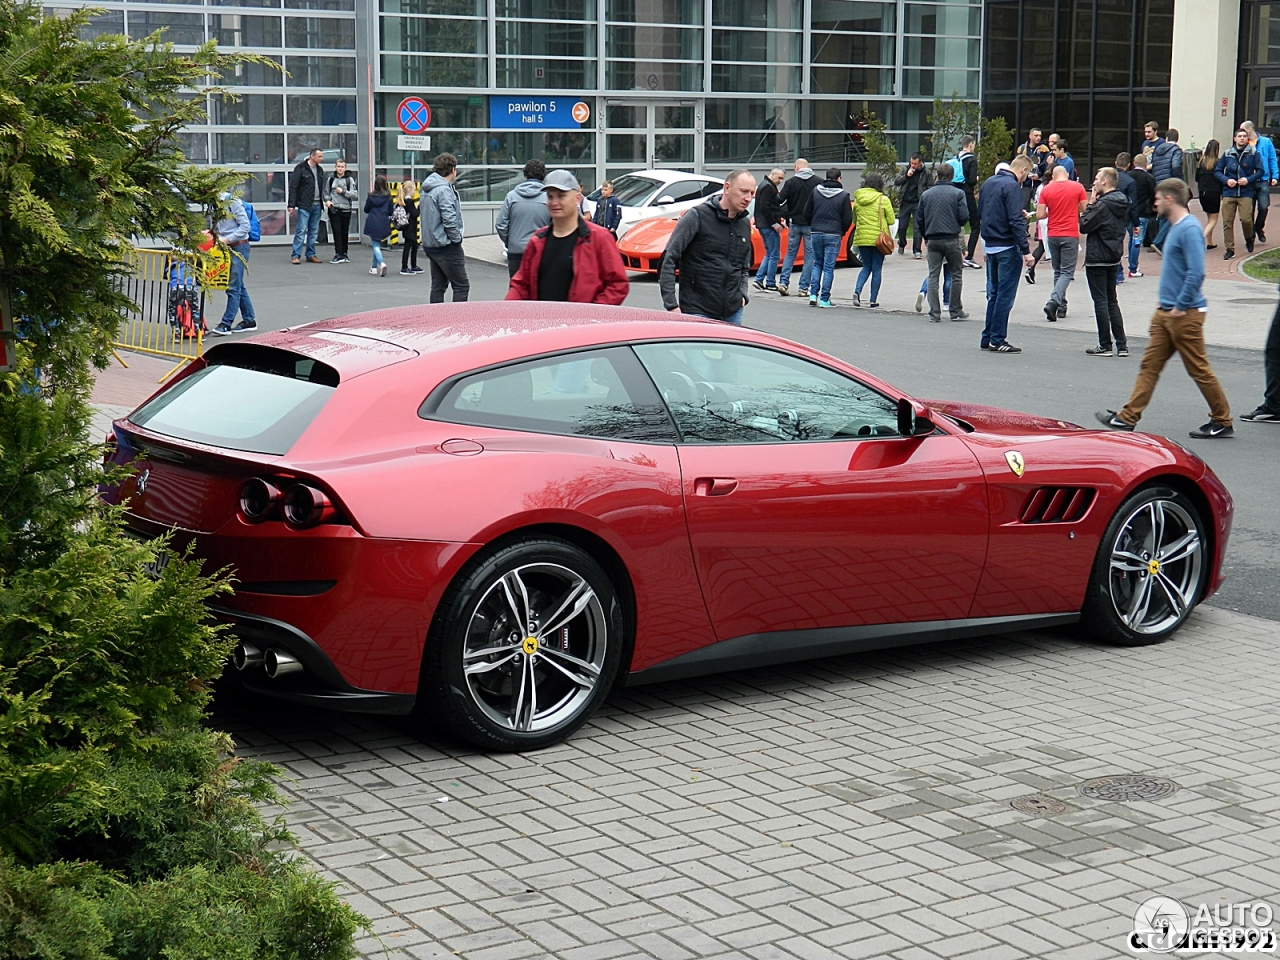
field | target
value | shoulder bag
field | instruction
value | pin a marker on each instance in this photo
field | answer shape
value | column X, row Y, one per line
column 884, row 242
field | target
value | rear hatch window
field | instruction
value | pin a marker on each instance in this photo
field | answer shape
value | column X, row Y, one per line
column 256, row 399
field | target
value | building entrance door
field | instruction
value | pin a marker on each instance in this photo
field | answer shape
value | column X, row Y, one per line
column 651, row 135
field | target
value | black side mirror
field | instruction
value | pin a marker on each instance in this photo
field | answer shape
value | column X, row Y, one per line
column 913, row 418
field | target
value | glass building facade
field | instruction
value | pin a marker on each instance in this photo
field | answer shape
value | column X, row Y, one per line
column 1259, row 90
column 701, row 85
column 1094, row 71
column 282, row 114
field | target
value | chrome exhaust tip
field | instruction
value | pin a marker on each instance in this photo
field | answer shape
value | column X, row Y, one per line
column 245, row 656
column 278, row 663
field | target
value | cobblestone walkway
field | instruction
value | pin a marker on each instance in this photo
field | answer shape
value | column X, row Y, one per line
column 853, row 807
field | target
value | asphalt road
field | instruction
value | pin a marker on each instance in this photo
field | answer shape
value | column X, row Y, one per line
column 1052, row 377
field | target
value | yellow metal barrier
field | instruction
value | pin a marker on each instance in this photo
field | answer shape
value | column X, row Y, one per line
column 168, row 291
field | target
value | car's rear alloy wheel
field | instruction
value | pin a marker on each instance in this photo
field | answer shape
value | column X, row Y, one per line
column 1149, row 570
column 527, row 644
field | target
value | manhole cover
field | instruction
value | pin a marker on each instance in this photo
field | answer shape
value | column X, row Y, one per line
column 1038, row 805
column 1256, row 301
column 1128, row 787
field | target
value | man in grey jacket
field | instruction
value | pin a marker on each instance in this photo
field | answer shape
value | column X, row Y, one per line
column 341, row 191
column 442, row 230
column 523, row 211
column 233, row 230
column 941, row 212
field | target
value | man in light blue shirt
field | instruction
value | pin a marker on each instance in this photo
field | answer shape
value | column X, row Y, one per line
column 1178, row 323
column 233, row 231
column 1270, row 173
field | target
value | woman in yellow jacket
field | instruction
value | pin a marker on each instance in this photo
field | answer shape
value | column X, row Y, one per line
column 872, row 214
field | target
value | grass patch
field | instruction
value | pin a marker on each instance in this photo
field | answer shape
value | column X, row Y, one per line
column 1265, row 266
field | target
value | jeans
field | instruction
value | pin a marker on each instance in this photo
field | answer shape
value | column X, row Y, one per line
column 735, row 318
column 796, row 245
column 1106, row 309
column 768, row 272
column 1261, row 203
column 825, row 246
column 946, row 287
column 1230, row 207
column 872, row 262
column 945, row 249
column 237, row 296
column 1271, row 366
column 376, row 246
column 339, row 227
column 1003, row 270
column 308, row 229
column 1185, row 336
column 907, row 218
column 1135, row 244
column 448, row 268
column 1063, row 252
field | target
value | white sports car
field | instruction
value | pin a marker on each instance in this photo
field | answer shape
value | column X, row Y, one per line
column 656, row 193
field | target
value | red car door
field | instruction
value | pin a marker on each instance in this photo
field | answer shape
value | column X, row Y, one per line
column 805, row 507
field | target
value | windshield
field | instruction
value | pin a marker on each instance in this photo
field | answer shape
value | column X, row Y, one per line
column 633, row 191
column 257, row 411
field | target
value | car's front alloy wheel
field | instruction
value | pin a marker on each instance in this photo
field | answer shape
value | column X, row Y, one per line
column 527, row 644
column 1150, row 568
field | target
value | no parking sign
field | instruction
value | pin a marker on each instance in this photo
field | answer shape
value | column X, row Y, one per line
column 413, row 115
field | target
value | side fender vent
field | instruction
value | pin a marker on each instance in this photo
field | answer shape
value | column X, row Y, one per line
column 1058, row 504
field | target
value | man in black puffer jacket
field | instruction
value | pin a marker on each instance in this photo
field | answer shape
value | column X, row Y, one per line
column 1106, row 224
column 711, row 246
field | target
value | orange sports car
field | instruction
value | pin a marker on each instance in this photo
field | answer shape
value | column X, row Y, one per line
column 643, row 246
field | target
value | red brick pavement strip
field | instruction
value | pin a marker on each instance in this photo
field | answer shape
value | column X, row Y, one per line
column 118, row 386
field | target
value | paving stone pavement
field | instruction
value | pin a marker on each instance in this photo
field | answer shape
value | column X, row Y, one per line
column 840, row 808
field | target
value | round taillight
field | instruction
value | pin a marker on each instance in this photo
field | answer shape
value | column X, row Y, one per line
column 257, row 500
column 305, row 506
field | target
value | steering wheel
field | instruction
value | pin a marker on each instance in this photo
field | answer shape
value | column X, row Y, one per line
column 678, row 387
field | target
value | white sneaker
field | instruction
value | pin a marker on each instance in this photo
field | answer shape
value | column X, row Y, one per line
column 919, row 303
column 374, row 271
column 382, row 270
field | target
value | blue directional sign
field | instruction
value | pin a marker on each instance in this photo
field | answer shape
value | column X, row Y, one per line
column 538, row 113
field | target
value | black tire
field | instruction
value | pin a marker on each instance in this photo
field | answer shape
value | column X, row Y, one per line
column 573, row 667
column 1139, row 552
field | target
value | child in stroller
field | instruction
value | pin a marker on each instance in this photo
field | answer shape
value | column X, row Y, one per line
column 186, row 303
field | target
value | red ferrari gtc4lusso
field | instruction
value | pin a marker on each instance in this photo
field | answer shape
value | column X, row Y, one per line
column 493, row 512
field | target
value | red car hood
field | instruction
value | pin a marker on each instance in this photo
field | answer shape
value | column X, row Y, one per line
column 996, row 420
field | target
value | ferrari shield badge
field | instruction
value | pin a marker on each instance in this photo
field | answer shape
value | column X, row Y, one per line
column 1015, row 461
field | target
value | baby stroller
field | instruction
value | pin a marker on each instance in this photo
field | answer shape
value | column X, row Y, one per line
column 186, row 303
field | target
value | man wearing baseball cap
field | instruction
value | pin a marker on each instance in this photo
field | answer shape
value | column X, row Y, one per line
column 572, row 258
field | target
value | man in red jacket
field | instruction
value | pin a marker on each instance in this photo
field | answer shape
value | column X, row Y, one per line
column 571, row 259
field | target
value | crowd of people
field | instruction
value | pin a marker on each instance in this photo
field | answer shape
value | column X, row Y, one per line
column 556, row 252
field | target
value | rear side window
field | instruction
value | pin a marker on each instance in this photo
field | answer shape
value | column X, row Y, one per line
column 258, row 409
column 593, row 393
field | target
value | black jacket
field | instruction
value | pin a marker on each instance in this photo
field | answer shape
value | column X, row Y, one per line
column 830, row 209
column 911, row 188
column 969, row 167
column 768, row 206
column 1208, row 183
column 302, row 185
column 942, row 212
column 1145, row 188
column 1106, row 223
column 712, row 252
column 795, row 195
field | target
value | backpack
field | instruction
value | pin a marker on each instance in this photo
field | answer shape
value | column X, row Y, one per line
column 255, row 228
column 957, row 168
